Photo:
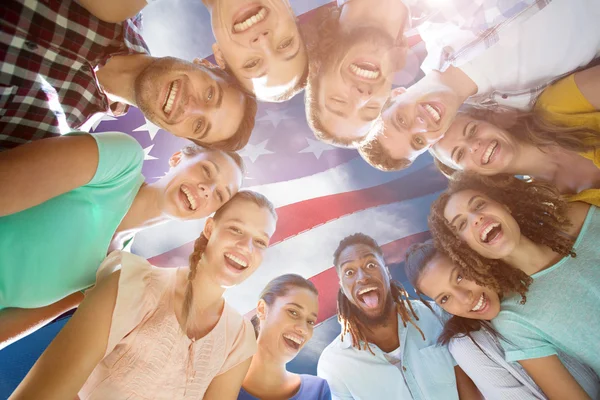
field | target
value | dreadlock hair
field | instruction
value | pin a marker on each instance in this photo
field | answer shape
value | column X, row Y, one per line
column 202, row 241
column 536, row 207
column 418, row 257
column 345, row 310
column 280, row 287
column 193, row 149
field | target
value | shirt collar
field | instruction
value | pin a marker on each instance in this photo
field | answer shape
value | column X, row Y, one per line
column 346, row 343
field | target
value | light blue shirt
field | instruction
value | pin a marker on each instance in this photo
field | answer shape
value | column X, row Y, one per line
column 562, row 312
column 423, row 371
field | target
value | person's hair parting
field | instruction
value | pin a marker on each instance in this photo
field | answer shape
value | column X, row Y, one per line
column 279, row 287
column 539, row 211
column 378, row 157
column 193, row 149
column 349, row 321
column 201, row 243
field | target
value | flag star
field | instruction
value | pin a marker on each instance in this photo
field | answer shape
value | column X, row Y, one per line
column 275, row 117
column 105, row 117
column 149, row 127
column 316, row 147
column 147, row 155
column 253, row 151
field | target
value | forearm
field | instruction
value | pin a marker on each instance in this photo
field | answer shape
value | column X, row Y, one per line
column 16, row 323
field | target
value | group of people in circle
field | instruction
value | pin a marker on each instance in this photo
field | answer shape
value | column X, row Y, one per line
column 505, row 293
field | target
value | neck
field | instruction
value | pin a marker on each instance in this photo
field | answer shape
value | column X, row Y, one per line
column 266, row 374
column 117, row 77
column 389, row 15
column 459, row 82
column 144, row 212
column 385, row 335
column 531, row 257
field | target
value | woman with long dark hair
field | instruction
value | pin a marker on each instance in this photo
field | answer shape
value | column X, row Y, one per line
column 162, row 333
column 285, row 318
column 531, row 249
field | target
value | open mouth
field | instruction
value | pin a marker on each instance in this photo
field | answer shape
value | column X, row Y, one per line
column 489, row 152
column 481, row 304
column 170, row 97
column 365, row 70
column 293, row 341
column 236, row 262
column 249, row 19
column 369, row 296
column 189, row 199
column 434, row 112
column 490, row 232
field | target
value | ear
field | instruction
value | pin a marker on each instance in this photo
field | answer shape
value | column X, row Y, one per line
column 209, row 225
column 204, row 62
column 398, row 91
column 175, row 159
column 218, row 56
column 261, row 310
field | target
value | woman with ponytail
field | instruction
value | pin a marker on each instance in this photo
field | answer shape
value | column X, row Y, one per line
column 160, row 333
column 285, row 318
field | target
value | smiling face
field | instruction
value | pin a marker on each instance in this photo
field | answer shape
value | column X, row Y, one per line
column 442, row 281
column 189, row 100
column 418, row 117
column 259, row 42
column 354, row 83
column 288, row 323
column 237, row 242
column 483, row 224
column 197, row 185
column 365, row 281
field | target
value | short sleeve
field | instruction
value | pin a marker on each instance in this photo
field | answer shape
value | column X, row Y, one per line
column 521, row 341
column 120, row 159
column 135, row 298
column 244, row 343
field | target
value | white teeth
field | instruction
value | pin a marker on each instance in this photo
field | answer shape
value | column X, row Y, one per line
column 250, row 21
column 433, row 112
column 489, row 151
column 294, row 338
column 364, row 73
column 190, row 198
column 479, row 304
column 487, row 230
column 171, row 97
column 236, row 259
column 365, row 290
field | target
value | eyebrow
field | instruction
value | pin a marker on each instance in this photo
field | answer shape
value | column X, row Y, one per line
column 218, row 169
column 370, row 254
column 449, row 279
column 239, row 221
column 464, row 134
column 336, row 112
column 219, row 95
column 288, row 58
column 300, row 307
column 468, row 205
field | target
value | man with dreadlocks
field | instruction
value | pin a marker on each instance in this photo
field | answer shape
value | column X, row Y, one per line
column 387, row 348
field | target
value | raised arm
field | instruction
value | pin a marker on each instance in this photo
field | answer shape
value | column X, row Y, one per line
column 554, row 379
column 114, row 11
column 43, row 169
column 227, row 385
column 588, row 82
column 67, row 363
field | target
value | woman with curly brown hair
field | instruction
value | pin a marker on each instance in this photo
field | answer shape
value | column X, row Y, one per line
column 162, row 333
column 530, row 248
column 558, row 142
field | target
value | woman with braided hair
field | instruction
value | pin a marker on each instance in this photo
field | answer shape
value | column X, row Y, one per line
column 160, row 333
column 387, row 349
column 472, row 341
column 529, row 248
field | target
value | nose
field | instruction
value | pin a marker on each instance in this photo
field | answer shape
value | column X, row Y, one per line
column 362, row 92
column 261, row 39
column 474, row 146
column 361, row 275
column 192, row 106
column 477, row 219
column 465, row 296
column 245, row 243
column 206, row 190
column 301, row 327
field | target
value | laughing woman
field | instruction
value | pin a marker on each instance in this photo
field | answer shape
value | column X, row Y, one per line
column 535, row 252
column 162, row 333
column 285, row 318
column 472, row 341
column 558, row 142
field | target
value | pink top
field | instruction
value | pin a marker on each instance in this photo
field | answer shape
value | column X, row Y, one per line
column 148, row 356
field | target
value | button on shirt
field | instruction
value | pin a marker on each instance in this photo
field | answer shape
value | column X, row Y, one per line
column 418, row 370
column 49, row 51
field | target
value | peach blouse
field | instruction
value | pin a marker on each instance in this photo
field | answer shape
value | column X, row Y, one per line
column 148, row 356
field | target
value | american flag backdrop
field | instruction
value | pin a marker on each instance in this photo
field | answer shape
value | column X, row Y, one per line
column 321, row 193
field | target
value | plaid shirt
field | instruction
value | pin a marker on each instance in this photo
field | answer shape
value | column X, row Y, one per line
column 49, row 51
